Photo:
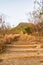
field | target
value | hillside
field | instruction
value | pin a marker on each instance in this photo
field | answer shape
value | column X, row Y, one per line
column 22, row 27
column 28, row 28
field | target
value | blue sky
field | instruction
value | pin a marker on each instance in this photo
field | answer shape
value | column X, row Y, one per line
column 15, row 11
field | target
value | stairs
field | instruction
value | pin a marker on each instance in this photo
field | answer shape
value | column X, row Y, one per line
column 34, row 51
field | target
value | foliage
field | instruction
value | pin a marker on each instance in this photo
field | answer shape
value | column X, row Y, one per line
column 28, row 31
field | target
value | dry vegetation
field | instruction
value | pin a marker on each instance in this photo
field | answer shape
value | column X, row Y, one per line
column 24, row 33
column 7, row 39
column 18, row 39
column 21, row 38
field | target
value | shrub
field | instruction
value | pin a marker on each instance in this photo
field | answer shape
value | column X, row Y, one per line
column 28, row 30
column 2, row 45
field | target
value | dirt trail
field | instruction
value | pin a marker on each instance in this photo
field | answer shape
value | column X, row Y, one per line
column 22, row 55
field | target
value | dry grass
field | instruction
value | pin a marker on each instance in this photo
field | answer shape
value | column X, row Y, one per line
column 7, row 39
column 18, row 39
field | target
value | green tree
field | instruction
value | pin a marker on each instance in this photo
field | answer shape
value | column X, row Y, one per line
column 28, row 31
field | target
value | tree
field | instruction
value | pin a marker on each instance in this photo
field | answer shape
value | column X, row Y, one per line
column 37, row 15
